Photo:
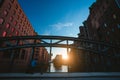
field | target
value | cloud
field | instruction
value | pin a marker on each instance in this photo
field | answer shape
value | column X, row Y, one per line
column 59, row 26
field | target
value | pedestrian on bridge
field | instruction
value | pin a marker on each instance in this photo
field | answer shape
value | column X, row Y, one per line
column 33, row 65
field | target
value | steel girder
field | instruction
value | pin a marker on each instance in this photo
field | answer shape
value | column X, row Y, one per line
column 62, row 41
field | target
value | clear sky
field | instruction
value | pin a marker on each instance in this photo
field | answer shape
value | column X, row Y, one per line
column 56, row 17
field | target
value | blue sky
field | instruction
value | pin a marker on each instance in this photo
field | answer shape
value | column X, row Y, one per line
column 56, row 17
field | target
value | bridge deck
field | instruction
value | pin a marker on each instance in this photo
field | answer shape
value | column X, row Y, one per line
column 61, row 76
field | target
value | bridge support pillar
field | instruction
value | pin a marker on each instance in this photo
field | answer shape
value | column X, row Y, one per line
column 50, row 54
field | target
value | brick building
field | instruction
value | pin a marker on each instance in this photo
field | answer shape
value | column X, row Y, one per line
column 104, row 21
column 84, row 31
column 102, row 24
column 13, row 22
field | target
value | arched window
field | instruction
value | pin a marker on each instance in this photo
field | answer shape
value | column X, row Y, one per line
column 7, row 25
column 1, row 20
column 13, row 29
column 5, row 12
column 15, row 23
column 16, row 33
column 4, row 33
column 11, row 18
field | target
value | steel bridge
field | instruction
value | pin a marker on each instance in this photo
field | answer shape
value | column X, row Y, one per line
column 55, row 41
column 9, row 43
column 18, row 42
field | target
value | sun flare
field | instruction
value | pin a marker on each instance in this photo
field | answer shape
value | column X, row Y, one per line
column 65, row 57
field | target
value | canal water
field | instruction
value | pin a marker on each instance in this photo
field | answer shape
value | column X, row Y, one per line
column 63, row 68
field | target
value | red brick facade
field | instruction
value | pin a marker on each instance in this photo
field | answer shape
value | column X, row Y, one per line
column 104, row 21
column 102, row 24
column 13, row 22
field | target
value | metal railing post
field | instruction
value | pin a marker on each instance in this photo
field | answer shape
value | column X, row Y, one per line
column 50, row 54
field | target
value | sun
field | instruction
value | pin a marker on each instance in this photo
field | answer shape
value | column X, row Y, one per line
column 65, row 56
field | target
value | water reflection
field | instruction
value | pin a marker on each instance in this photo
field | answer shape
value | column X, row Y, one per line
column 62, row 68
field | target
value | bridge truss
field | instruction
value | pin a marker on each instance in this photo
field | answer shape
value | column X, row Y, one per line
column 18, row 42
column 54, row 41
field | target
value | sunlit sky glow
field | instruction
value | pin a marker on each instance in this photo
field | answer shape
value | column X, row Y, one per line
column 56, row 17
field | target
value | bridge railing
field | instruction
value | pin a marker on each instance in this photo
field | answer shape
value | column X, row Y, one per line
column 17, row 44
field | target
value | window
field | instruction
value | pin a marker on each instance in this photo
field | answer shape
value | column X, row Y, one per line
column 19, row 27
column 15, row 23
column 4, row 33
column 9, row 6
column 13, row 29
column 108, row 32
column 1, row 20
column 118, row 3
column 114, row 16
column 14, row 12
column 5, row 13
column 118, row 26
column 11, row 18
column 18, row 17
column 19, row 11
column 12, row 1
column 113, row 30
column 7, row 25
column 16, row 33
column 16, row 6
column 105, row 25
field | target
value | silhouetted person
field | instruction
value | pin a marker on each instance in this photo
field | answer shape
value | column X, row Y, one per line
column 33, row 65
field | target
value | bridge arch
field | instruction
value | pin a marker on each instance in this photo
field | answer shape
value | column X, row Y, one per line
column 77, row 43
